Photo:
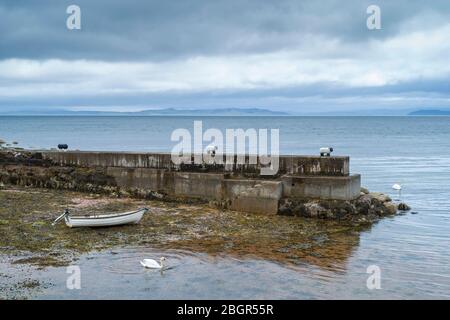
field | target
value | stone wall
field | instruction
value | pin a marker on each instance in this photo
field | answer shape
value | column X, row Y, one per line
column 154, row 174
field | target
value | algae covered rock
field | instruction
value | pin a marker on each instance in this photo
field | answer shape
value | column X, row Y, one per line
column 315, row 210
column 380, row 196
column 403, row 207
column 367, row 207
column 391, row 208
column 285, row 210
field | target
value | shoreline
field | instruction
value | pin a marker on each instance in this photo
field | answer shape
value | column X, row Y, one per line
column 28, row 240
column 198, row 227
column 34, row 190
column 305, row 186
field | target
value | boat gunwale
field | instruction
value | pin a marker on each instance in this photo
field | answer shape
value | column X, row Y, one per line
column 110, row 216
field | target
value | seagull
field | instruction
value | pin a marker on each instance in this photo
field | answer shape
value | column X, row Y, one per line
column 152, row 264
column 398, row 188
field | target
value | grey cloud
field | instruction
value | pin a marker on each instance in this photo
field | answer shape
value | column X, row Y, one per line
column 316, row 98
column 155, row 30
column 173, row 31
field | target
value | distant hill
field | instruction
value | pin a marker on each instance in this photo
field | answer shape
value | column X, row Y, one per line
column 153, row 112
column 213, row 112
column 430, row 112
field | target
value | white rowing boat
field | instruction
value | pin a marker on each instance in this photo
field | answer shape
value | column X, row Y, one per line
column 102, row 220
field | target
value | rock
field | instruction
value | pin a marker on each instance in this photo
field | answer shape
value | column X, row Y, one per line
column 403, row 207
column 391, row 207
column 300, row 210
column 380, row 196
column 285, row 210
column 157, row 195
column 366, row 208
column 363, row 204
column 364, row 190
column 315, row 210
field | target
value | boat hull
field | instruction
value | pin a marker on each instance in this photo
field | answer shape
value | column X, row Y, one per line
column 132, row 217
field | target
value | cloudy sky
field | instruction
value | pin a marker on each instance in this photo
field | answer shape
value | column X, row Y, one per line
column 289, row 55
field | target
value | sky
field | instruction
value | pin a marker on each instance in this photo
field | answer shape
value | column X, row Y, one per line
column 295, row 56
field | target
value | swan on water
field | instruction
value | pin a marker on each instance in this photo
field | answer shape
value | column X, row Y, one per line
column 152, row 264
column 398, row 188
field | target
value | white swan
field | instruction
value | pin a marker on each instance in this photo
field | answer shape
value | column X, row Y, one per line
column 152, row 264
column 398, row 188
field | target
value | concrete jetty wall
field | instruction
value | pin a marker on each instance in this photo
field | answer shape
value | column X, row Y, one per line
column 240, row 185
column 295, row 165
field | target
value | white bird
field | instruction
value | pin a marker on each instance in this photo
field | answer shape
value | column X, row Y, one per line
column 152, row 264
column 211, row 149
column 398, row 188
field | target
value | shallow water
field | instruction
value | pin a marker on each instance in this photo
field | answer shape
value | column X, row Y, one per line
column 115, row 274
column 412, row 250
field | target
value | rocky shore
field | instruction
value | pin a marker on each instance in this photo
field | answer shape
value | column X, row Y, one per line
column 29, row 169
column 370, row 206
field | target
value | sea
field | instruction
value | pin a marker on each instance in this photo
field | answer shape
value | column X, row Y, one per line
column 410, row 252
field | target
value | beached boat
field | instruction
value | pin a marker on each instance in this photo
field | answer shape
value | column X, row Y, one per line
column 102, row 220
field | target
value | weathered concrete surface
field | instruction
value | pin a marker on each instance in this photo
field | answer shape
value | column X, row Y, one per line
column 151, row 174
column 293, row 165
column 142, row 178
column 253, row 195
column 320, row 187
column 111, row 159
column 203, row 185
column 250, row 195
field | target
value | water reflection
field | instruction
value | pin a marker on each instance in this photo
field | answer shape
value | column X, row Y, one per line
column 288, row 241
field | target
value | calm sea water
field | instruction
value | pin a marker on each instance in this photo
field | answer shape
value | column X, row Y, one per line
column 412, row 250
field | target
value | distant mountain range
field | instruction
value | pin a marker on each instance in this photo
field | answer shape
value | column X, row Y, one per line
column 430, row 112
column 154, row 112
column 225, row 112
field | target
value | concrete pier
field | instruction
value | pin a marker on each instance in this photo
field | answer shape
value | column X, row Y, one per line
column 294, row 165
column 241, row 185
